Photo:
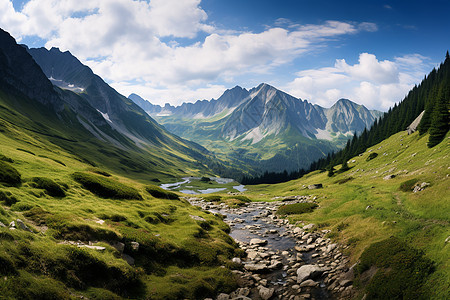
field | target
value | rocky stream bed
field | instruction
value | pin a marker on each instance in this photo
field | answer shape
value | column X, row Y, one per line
column 284, row 261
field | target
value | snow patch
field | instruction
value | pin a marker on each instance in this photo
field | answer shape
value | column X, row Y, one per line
column 323, row 134
column 255, row 135
column 105, row 116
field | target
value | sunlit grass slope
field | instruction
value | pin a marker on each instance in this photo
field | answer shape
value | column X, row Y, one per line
column 362, row 206
column 64, row 200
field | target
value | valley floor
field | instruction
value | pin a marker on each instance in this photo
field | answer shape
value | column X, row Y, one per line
column 81, row 231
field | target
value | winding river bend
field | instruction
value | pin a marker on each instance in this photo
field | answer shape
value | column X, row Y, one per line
column 283, row 261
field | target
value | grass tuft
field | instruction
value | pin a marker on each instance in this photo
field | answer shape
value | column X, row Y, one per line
column 400, row 270
column 106, row 188
column 9, row 175
column 296, row 208
column 7, row 197
column 51, row 187
column 371, row 156
column 408, row 185
column 160, row 193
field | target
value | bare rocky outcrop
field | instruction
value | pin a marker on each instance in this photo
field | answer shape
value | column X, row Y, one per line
column 413, row 126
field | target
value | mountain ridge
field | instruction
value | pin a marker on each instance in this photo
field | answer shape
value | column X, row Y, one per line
column 260, row 128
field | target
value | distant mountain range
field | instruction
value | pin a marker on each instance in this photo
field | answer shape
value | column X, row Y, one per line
column 265, row 125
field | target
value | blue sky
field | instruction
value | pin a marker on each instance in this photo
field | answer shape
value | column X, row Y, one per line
column 371, row 52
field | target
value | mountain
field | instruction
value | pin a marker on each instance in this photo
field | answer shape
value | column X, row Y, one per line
column 98, row 125
column 264, row 129
column 201, row 109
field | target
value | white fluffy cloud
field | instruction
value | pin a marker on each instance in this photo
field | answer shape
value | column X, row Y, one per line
column 373, row 83
column 134, row 43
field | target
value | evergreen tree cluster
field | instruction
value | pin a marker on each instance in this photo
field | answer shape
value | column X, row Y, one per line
column 273, row 177
column 431, row 95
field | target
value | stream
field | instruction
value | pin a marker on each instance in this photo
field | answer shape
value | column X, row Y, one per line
column 280, row 255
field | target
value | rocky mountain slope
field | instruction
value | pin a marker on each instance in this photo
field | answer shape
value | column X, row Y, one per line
column 99, row 125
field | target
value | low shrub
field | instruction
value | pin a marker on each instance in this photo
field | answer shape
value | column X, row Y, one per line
column 408, row 185
column 37, row 215
column 5, row 158
column 9, row 175
column 213, row 198
column 401, row 270
column 160, row 193
column 7, row 198
column 6, row 265
column 21, row 206
column 371, row 156
column 241, row 198
column 296, row 208
column 79, row 232
column 51, row 187
column 106, row 188
column 344, row 180
column 205, row 179
column 99, row 171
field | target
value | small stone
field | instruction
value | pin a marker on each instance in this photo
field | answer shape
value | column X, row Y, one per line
column 345, row 282
column 309, row 226
column 223, row 296
column 98, row 248
column 12, row 224
column 309, row 283
column 236, row 260
column 135, row 246
column 265, row 293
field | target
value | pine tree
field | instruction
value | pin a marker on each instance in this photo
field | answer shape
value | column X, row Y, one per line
column 331, row 171
column 345, row 166
column 440, row 122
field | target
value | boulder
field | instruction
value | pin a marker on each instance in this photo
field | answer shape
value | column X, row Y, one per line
column 265, row 293
column 259, row 242
column 308, row 271
column 252, row 254
column 128, row 259
column 388, row 177
column 256, row 267
column 118, row 245
column 298, row 230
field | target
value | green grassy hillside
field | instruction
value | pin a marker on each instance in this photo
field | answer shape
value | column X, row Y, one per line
column 64, row 202
column 362, row 206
